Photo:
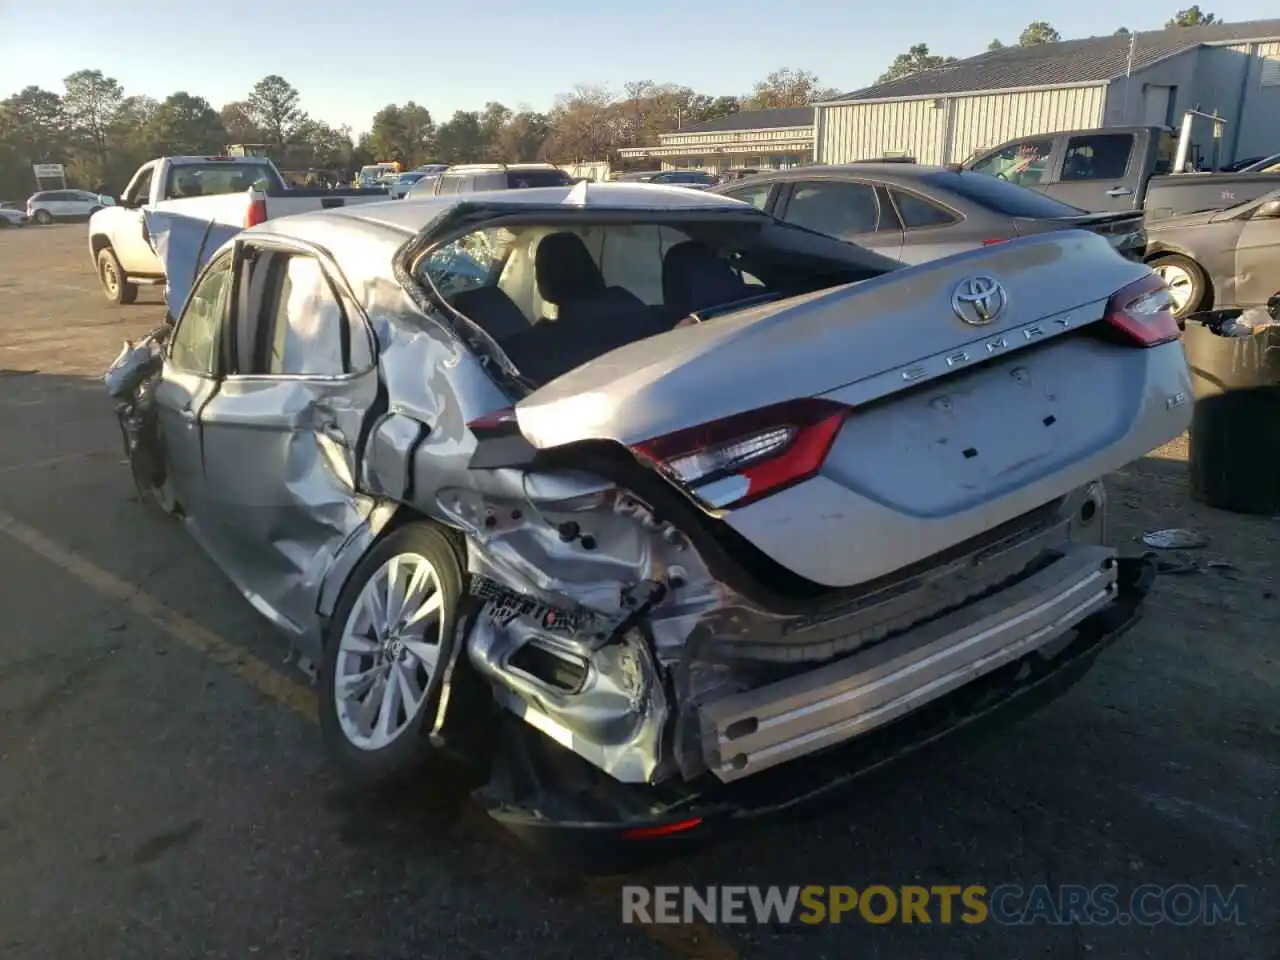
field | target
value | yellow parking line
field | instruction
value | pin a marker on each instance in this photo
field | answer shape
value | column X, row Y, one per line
column 190, row 634
column 692, row 941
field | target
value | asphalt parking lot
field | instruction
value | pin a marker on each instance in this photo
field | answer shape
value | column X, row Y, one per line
column 163, row 792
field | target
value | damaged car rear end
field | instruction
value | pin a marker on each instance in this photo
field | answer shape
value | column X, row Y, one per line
column 699, row 513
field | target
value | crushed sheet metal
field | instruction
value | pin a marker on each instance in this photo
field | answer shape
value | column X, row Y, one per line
column 184, row 245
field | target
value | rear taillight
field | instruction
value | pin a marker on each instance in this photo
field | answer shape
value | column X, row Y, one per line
column 256, row 213
column 1143, row 312
column 734, row 461
column 995, row 240
column 496, row 421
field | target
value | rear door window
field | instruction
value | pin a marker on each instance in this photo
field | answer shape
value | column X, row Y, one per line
column 1025, row 163
column 1103, row 156
column 836, row 208
column 302, row 326
column 917, row 212
column 757, row 195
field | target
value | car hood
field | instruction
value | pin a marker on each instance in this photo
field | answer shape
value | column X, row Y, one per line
column 183, row 244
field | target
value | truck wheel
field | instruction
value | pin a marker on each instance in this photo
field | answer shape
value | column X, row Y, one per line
column 114, row 285
column 385, row 652
column 1186, row 280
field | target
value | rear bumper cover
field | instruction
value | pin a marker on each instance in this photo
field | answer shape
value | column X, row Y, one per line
column 752, row 731
column 555, row 801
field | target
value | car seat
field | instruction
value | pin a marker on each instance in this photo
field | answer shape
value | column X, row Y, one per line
column 695, row 277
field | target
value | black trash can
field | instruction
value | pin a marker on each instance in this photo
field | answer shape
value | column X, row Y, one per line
column 1235, row 426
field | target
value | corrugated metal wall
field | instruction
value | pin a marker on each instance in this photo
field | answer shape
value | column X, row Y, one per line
column 1259, row 131
column 991, row 120
column 919, row 128
column 862, row 130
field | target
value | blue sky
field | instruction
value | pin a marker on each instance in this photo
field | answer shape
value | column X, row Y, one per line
column 348, row 59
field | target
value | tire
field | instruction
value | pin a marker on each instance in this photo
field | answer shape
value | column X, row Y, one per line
column 112, row 277
column 1187, row 282
column 43, row 217
column 362, row 750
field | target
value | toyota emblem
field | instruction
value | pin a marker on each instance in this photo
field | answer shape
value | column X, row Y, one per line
column 979, row 300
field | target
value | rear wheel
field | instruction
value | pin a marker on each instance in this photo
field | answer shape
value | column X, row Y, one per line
column 114, row 284
column 43, row 217
column 1187, row 284
column 385, row 651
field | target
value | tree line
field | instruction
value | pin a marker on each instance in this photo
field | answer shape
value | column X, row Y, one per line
column 102, row 134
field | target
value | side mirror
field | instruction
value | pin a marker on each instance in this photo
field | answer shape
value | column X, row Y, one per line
column 1268, row 211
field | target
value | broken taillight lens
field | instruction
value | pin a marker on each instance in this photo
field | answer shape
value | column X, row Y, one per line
column 1143, row 312
column 737, row 460
column 256, row 212
column 494, row 421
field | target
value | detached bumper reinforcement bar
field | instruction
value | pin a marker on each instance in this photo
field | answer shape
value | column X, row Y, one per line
column 745, row 733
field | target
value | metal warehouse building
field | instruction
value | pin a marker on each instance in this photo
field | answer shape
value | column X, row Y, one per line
column 945, row 115
column 775, row 139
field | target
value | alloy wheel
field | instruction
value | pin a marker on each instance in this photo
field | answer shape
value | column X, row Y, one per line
column 388, row 651
column 1181, row 285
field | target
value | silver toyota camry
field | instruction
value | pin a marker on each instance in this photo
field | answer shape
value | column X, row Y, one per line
column 638, row 498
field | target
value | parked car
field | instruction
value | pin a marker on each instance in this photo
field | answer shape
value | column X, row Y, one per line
column 48, row 206
column 632, row 495
column 1269, row 164
column 476, row 177
column 11, row 215
column 209, row 189
column 913, row 212
column 1116, row 168
column 697, row 179
column 400, row 186
column 1225, row 258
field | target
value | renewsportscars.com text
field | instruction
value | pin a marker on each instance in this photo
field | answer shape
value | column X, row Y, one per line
column 1006, row 905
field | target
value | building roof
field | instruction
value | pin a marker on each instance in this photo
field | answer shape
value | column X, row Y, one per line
column 753, row 120
column 1091, row 60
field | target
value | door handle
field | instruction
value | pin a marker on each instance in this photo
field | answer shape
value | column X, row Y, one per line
column 1119, row 192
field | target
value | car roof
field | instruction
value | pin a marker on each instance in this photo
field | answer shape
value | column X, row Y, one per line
column 410, row 215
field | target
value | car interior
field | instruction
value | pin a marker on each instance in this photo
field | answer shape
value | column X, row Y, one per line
column 555, row 297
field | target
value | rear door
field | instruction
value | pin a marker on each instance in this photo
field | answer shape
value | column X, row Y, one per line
column 1100, row 171
column 931, row 229
column 280, row 435
column 846, row 209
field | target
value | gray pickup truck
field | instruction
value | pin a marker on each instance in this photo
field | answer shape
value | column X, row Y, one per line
column 1117, row 168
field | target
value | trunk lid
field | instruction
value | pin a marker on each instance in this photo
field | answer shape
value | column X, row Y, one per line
column 889, row 333
column 1123, row 230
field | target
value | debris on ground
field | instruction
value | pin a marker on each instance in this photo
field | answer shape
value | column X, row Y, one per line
column 1175, row 538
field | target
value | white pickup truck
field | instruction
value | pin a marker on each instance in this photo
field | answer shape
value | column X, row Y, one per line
column 239, row 191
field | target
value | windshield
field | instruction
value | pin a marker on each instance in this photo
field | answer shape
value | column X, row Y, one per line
column 1002, row 197
column 411, row 177
column 220, row 176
